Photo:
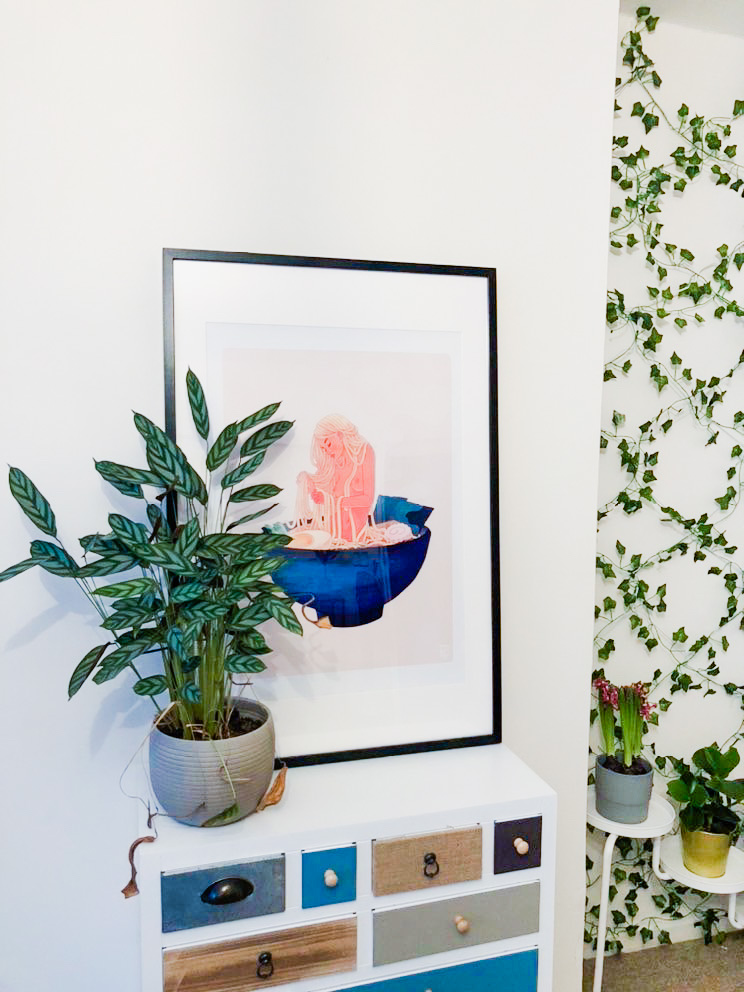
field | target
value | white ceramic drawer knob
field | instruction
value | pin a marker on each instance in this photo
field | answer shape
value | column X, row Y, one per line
column 330, row 878
column 521, row 846
column 462, row 924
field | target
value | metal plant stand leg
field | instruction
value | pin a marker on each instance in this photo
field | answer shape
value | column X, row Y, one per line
column 604, row 899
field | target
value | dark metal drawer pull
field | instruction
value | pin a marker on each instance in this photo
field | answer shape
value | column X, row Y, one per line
column 227, row 890
column 264, row 965
column 431, row 865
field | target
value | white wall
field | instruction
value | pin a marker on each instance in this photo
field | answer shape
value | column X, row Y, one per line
column 422, row 130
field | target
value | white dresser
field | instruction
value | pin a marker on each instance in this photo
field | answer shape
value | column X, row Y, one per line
column 427, row 872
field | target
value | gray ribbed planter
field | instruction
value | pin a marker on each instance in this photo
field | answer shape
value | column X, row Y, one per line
column 188, row 777
column 623, row 798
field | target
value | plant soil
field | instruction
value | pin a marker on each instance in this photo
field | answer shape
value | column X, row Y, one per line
column 638, row 767
column 239, row 724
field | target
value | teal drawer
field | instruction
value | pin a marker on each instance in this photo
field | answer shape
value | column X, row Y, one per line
column 510, row 973
column 328, row 877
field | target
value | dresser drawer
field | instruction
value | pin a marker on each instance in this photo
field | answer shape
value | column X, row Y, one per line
column 449, row 924
column 220, row 893
column 509, row 973
column 403, row 864
column 517, row 844
column 262, row 960
column 328, row 877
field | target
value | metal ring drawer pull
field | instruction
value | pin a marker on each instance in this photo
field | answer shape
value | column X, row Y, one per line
column 264, row 965
column 431, row 865
column 330, row 878
column 521, row 846
column 462, row 924
column 227, row 890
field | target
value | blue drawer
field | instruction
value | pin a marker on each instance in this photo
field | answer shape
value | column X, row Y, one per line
column 510, row 972
column 321, row 867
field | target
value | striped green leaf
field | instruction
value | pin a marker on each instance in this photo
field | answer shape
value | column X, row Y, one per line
column 226, row 816
column 30, row 500
column 53, row 558
column 242, row 664
column 250, row 616
column 22, row 566
column 120, row 659
column 167, row 460
column 220, row 450
column 127, row 531
column 190, row 664
column 265, row 491
column 113, row 472
column 84, row 668
column 165, row 557
column 252, row 642
column 188, row 539
column 174, row 640
column 129, row 616
column 252, row 516
column 243, row 470
column 117, row 561
column 130, row 587
column 198, row 404
column 190, row 692
column 204, row 611
column 282, row 612
column 258, row 417
column 186, row 592
column 153, row 685
column 101, row 544
column 222, row 544
column 254, row 570
column 257, row 545
column 264, row 437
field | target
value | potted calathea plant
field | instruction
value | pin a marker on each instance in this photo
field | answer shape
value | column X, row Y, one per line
column 194, row 592
column 708, row 822
column 623, row 778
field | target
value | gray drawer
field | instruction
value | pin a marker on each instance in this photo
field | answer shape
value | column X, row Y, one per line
column 430, row 928
column 219, row 893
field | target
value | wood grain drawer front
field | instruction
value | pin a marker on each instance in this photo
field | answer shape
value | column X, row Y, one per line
column 517, row 844
column 449, row 924
column 262, row 960
column 220, row 893
column 403, row 864
column 508, row 973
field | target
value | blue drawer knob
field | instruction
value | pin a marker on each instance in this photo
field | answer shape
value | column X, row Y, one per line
column 227, row 890
column 264, row 965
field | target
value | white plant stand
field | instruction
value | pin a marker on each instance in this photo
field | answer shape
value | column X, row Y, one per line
column 730, row 884
column 659, row 821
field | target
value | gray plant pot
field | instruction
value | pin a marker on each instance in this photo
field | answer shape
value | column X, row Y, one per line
column 189, row 778
column 623, row 798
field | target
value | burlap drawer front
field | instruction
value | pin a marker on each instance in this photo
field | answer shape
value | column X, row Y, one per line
column 432, row 927
column 262, row 960
column 403, row 864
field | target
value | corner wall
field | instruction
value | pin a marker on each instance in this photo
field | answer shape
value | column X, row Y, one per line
column 412, row 130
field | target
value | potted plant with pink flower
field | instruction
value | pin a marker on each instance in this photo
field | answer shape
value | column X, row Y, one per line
column 623, row 777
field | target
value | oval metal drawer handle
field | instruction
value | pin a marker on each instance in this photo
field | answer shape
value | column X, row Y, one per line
column 264, row 965
column 431, row 865
column 462, row 924
column 330, row 878
column 521, row 846
column 227, row 890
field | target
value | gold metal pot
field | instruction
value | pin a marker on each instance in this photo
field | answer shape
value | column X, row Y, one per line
column 705, row 854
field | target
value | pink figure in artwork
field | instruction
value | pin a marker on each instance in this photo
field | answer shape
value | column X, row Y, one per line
column 339, row 496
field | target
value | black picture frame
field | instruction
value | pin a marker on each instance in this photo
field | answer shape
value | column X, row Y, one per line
column 220, row 296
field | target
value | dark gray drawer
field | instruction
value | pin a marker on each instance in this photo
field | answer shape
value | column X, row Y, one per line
column 448, row 924
column 219, row 893
column 517, row 844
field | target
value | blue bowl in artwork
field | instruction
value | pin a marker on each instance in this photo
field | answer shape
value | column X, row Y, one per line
column 351, row 588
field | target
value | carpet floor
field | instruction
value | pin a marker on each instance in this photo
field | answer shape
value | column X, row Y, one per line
column 686, row 967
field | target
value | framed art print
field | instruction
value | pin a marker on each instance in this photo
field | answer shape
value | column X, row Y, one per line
column 388, row 481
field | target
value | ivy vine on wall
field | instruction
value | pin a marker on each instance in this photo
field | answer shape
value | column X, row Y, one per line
column 673, row 446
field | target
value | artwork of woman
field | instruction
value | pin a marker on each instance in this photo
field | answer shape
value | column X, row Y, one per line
column 339, row 496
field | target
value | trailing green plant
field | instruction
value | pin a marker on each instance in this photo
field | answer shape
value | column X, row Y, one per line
column 706, row 792
column 655, row 338
column 196, row 589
